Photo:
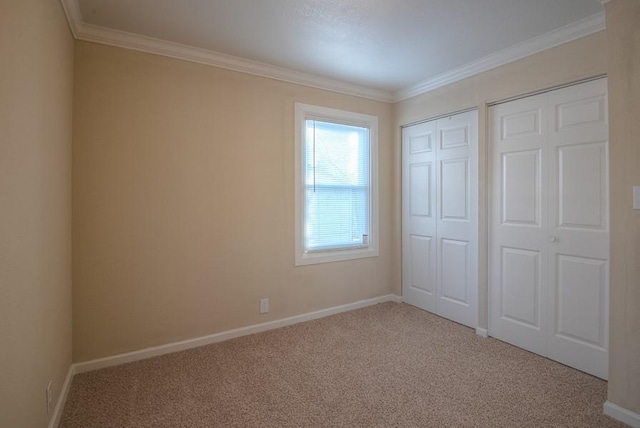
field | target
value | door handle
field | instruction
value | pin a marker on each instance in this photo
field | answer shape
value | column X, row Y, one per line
column 553, row 239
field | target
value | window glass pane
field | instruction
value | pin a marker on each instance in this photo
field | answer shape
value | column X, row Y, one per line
column 336, row 185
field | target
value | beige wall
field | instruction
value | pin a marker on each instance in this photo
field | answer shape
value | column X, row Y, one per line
column 623, row 35
column 183, row 203
column 36, row 72
column 570, row 62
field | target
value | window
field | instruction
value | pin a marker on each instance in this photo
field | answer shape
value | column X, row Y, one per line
column 336, row 185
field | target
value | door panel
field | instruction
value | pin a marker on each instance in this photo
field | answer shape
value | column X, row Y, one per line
column 517, row 265
column 454, row 179
column 526, row 122
column 521, row 188
column 578, row 245
column 420, row 275
column 580, row 313
column 420, row 189
column 581, row 186
column 454, row 265
column 418, row 215
column 457, row 218
column 581, row 319
column 521, row 287
column 582, row 112
column 549, row 228
column 453, row 135
column 421, row 142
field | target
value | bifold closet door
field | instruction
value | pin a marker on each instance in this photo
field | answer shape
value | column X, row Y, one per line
column 419, row 216
column 440, row 230
column 549, row 232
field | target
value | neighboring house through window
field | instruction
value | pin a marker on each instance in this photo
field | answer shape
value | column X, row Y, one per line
column 336, row 185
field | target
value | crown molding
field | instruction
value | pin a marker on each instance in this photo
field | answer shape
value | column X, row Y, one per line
column 584, row 27
column 605, row 2
column 74, row 16
column 123, row 39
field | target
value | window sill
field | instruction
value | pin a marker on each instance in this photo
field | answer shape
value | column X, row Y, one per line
column 317, row 257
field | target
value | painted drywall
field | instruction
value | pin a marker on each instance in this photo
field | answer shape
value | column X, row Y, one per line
column 623, row 36
column 183, row 195
column 580, row 59
column 36, row 83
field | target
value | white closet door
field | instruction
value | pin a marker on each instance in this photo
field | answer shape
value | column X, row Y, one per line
column 549, row 237
column 457, row 218
column 579, row 227
column 518, row 220
column 419, row 215
column 439, row 221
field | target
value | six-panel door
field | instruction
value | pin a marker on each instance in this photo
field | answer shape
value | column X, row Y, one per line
column 419, row 215
column 549, row 231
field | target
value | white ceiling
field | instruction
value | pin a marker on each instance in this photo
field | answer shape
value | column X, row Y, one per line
column 385, row 45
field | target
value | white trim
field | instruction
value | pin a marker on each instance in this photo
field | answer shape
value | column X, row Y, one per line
column 482, row 332
column 307, row 111
column 62, row 397
column 225, row 335
column 622, row 414
column 605, row 2
column 123, row 39
column 74, row 16
column 584, row 27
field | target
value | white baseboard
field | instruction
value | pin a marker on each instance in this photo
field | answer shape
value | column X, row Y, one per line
column 622, row 414
column 482, row 332
column 225, row 335
column 62, row 398
column 394, row 298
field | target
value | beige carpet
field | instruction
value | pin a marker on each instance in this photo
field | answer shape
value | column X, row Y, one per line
column 389, row 365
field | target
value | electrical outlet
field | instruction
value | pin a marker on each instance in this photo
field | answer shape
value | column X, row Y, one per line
column 264, row 306
column 49, row 397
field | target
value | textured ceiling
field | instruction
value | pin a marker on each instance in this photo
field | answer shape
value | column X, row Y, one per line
column 382, row 44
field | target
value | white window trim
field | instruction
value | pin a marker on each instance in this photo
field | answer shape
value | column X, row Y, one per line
column 307, row 111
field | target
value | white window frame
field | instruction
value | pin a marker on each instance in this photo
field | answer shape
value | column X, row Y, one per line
column 307, row 111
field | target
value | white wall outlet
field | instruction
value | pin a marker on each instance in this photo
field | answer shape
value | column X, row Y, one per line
column 264, row 306
column 636, row 197
column 49, row 396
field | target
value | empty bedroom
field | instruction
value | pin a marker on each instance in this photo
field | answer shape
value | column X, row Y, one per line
column 319, row 213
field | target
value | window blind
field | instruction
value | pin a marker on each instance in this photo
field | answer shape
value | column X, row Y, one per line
column 337, row 186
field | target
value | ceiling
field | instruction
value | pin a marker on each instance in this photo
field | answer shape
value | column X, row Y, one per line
column 392, row 48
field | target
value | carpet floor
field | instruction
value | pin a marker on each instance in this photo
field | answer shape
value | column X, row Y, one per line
column 389, row 365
